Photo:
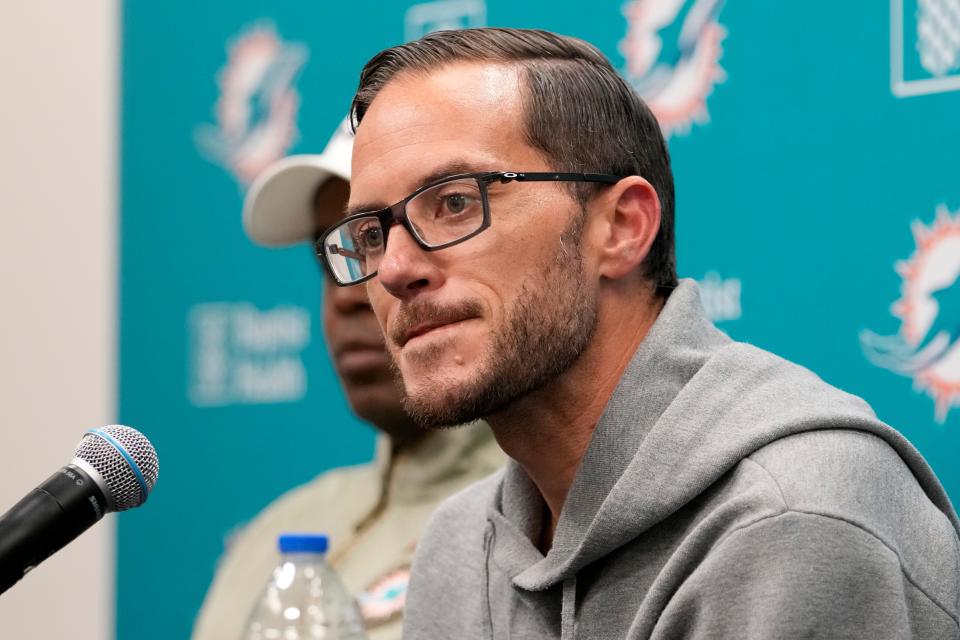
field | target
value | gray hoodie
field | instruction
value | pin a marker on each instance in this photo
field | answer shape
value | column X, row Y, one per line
column 726, row 493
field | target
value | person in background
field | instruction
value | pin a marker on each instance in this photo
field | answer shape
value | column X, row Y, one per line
column 373, row 513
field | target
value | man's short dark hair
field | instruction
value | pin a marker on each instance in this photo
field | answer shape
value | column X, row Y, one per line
column 578, row 111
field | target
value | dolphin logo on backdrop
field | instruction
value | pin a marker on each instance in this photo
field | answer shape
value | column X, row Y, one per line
column 421, row 19
column 927, row 347
column 257, row 110
column 672, row 50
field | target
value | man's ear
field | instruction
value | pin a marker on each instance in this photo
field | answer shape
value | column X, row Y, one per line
column 630, row 221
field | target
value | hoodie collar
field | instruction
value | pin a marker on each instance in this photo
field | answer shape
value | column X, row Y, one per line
column 675, row 348
column 677, row 345
column 691, row 405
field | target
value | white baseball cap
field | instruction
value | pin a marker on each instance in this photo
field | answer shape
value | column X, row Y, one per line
column 278, row 208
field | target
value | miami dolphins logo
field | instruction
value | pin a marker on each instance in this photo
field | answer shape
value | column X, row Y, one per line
column 672, row 50
column 384, row 600
column 927, row 347
column 257, row 110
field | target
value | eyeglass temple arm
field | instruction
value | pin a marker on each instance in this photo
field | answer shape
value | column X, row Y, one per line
column 559, row 177
column 338, row 250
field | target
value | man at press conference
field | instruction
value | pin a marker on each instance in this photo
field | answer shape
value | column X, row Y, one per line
column 511, row 216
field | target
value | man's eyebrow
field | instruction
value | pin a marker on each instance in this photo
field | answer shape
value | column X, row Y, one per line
column 363, row 207
column 452, row 168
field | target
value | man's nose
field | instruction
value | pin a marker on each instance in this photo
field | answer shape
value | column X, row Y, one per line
column 406, row 269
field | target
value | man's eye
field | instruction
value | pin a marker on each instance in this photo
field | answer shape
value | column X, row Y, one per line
column 456, row 203
column 369, row 237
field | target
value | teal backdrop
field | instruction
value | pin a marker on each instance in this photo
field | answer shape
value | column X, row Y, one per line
column 812, row 151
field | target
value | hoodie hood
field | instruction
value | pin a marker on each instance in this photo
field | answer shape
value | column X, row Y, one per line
column 691, row 405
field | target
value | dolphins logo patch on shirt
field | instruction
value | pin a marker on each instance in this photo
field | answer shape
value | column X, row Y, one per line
column 927, row 347
column 383, row 601
column 672, row 50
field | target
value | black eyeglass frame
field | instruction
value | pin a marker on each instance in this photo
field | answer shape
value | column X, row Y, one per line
column 397, row 213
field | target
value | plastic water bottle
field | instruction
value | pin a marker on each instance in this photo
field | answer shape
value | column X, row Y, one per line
column 305, row 599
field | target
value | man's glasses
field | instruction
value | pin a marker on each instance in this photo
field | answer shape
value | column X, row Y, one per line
column 438, row 215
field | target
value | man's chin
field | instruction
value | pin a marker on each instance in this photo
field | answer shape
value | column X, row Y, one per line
column 433, row 404
column 436, row 406
column 434, row 415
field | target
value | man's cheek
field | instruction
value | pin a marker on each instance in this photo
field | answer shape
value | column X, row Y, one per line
column 381, row 304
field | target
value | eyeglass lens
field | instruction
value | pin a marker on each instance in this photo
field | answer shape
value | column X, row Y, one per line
column 439, row 215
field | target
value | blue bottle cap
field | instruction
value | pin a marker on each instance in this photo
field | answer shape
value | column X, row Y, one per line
column 303, row 543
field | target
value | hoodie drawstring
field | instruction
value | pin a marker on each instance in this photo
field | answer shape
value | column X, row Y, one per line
column 486, row 615
column 568, row 612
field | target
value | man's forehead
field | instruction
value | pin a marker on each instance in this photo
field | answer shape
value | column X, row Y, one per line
column 422, row 120
column 463, row 85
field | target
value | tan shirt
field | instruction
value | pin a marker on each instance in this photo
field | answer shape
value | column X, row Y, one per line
column 374, row 514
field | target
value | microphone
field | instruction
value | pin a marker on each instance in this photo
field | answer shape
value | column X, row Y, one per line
column 114, row 468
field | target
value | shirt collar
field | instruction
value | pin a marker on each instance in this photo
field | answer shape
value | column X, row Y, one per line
column 423, row 470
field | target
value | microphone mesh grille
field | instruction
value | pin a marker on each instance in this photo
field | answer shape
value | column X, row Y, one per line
column 120, row 478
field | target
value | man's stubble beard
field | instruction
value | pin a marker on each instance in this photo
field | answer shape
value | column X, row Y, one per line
column 549, row 325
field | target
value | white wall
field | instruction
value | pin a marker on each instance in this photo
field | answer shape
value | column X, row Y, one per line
column 59, row 62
